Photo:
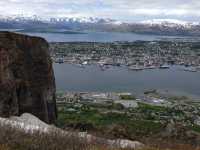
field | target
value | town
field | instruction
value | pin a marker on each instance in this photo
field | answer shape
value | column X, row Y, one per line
column 137, row 55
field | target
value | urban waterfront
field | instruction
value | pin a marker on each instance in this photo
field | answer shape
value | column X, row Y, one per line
column 91, row 78
column 71, row 77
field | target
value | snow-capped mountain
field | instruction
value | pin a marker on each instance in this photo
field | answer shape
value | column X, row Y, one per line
column 169, row 22
column 96, row 20
column 155, row 26
column 20, row 18
column 93, row 20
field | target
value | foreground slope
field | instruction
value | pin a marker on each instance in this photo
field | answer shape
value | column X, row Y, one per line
column 31, row 127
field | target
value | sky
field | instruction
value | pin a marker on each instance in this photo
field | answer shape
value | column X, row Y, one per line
column 123, row 10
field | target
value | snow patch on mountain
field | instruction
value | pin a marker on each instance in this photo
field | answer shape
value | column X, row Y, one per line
column 169, row 22
column 85, row 20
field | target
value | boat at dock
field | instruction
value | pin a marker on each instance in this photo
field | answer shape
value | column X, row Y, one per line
column 59, row 60
column 150, row 67
column 136, row 68
column 164, row 67
column 198, row 68
column 191, row 69
column 85, row 63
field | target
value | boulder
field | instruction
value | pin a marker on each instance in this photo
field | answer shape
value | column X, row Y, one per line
column 30, row 124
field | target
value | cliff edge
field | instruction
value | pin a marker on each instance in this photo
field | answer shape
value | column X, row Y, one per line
column 27, row 83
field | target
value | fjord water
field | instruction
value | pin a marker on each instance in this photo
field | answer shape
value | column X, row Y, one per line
column 100, row 37
column 91, row 78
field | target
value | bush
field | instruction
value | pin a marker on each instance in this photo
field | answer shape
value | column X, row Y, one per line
column 127, row 97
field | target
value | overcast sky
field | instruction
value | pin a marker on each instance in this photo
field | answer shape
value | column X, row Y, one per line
column 126, row 10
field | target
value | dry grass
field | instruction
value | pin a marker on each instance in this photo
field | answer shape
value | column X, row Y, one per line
column 170, row 146
column 4, row 147
column 12, row 139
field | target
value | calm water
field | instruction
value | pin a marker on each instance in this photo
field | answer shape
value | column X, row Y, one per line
column 99, row 37
column 92, row 78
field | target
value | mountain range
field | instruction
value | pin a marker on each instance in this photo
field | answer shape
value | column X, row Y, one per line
column 155, row 26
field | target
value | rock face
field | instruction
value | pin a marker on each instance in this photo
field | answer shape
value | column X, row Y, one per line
column 27, row 83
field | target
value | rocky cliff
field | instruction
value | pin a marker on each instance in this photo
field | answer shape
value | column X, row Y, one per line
column 27, row 81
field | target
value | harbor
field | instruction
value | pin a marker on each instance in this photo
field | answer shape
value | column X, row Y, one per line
column 93, row 78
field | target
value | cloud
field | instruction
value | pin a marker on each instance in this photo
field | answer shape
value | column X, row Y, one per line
column 117, row 9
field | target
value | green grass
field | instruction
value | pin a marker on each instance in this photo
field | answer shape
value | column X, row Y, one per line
column 147, row 107
column 104, row 121
column 91, row 116
column 145, row 127
column 195, row 128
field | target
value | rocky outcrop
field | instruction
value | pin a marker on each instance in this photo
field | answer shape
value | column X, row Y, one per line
column 30, row 124
column 27, row 81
